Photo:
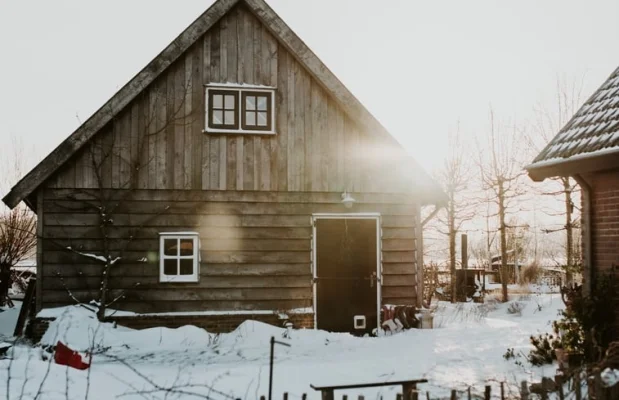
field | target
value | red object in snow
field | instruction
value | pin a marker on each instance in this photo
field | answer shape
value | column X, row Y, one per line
column 65, row 356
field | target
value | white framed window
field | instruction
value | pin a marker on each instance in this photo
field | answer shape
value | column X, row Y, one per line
column 179, row 257
column 240, row 109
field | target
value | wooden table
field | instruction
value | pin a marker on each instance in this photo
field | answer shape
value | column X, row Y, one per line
column 409, row 388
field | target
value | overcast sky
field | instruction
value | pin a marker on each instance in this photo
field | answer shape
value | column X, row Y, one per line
column 418, row 66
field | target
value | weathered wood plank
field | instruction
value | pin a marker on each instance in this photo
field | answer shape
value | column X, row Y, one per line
column 152, row 270
column 197, row 121
column 231, row 208
column 171, row 220
column 310, row 135
column 59, row 233
column 179, row 128
column 231, row 174
column 330, row 145
column 399, row 280
column 143, row 128
column 187, row 116
column 151, row 123
column 280, row 180
column 398, row 257
column 398, row 244
column 133, row 146
column 265, row 245
column 140, row 283
column 201, row 109
column 256, row 257
column 196, row 294
column 399, row 233
column 198, row 306
column 399, row 292
column 244, row 196
column 399, row 269
column 161, row 137
column 248, row 163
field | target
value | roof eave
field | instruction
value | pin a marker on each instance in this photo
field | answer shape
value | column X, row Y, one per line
column 586, row 163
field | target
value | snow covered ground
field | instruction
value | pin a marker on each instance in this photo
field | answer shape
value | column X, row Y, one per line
column 465, row 349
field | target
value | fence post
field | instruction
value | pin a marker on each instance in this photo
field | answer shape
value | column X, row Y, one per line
column 453, row 394
column 427, row 395
column 559, row 380
column 469, row 393
column 487, row 392
column 524, row 390
column 285, row 395
column 502, row 390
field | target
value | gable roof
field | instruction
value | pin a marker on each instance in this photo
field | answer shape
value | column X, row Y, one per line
column 589, row 141
column 349, row 103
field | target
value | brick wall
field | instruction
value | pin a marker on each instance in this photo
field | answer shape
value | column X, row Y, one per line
column 605, row 228
column 605, row 221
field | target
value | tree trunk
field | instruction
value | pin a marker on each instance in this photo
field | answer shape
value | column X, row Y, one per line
column 452, row 250
column 104, row 288
column 5, row 283
column 503, row 233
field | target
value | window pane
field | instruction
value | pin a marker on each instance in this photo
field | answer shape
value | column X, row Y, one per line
column 250, row 118
column 169, row 247
column 218, row 117
column 186, row 247
column 186, row 266
column 169, row 267
column 262, row 103
column 250, row 102
column 229, row 117
column 230, row 102
column 217, row 101
column 262, row 119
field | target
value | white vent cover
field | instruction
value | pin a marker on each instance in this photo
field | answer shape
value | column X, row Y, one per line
column 359, row 321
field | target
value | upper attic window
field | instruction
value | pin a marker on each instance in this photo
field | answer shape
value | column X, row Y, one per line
column 240, row 109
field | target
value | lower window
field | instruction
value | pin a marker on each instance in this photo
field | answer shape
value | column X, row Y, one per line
column 179, row 255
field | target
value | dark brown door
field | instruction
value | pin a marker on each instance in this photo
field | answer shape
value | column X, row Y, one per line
column 346, row 274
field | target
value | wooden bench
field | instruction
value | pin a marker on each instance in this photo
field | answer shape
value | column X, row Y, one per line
column 409, row 388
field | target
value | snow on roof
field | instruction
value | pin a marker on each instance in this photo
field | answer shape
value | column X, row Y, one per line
column 592, row 131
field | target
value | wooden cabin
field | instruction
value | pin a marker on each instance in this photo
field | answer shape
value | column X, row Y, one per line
column 233, row 177
column 587, row 149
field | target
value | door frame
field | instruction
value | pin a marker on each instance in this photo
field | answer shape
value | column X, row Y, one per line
column 379, row 265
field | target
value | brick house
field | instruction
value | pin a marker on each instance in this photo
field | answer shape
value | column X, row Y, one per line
column 587, row 149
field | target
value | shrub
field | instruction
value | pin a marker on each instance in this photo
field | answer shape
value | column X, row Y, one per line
column 515, row 307
column 531, row 273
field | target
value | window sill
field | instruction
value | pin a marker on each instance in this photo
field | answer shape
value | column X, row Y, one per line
column 178, row 279
column 238, row 132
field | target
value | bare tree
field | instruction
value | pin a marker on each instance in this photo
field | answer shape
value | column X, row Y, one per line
column 165, row 112
column 548, row 122
column 17, row 242
column 17, row 226
column 501, row 176
column 455, row 177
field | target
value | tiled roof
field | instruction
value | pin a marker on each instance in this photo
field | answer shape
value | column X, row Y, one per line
column 594, row 128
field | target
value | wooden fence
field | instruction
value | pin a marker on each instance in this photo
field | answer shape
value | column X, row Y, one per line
column 575, row 390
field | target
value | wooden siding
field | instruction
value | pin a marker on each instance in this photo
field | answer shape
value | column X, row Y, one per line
column 255, row 247
column 157, row 141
